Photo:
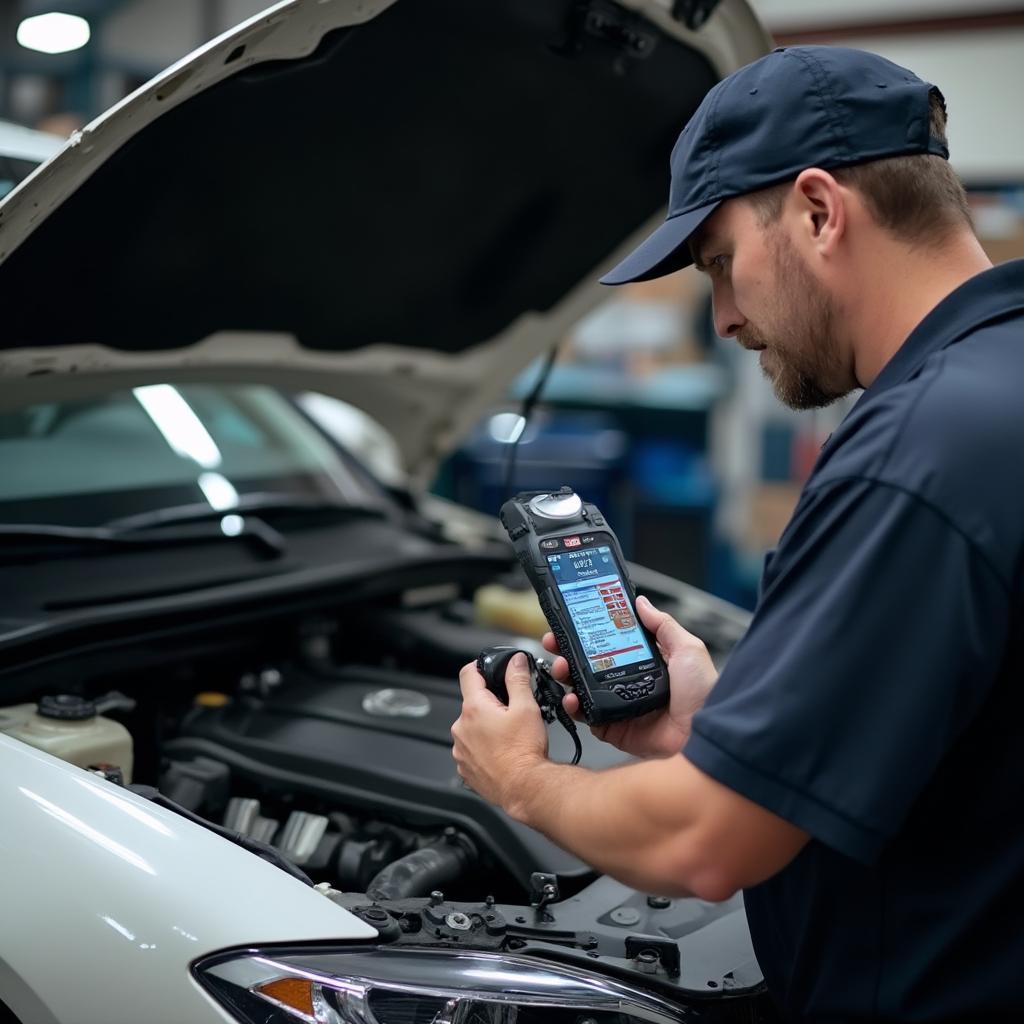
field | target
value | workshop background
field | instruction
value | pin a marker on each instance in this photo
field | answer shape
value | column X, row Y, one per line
column 646, row 412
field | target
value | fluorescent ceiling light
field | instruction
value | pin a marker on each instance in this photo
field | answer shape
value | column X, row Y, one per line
column 54, row 33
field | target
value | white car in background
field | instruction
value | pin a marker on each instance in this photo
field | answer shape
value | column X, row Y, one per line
column 228, row 651
column 21, row 151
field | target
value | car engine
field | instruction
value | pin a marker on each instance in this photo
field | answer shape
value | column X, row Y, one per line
column 320, row 740
column 375, row 742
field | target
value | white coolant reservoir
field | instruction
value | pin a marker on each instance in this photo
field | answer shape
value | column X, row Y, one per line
column 72, row 729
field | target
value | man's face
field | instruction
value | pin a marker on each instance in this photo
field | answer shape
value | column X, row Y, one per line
column 766, row 297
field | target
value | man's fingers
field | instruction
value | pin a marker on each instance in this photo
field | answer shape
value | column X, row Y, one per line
column 559, row 667
column 519, row 681
column 671, row 637
column 472, row 685
column 470, row 680
column 571, row 703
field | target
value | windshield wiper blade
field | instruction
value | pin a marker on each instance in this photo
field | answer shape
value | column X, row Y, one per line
column 181, row 524
column 247, row 504
column 251, row 530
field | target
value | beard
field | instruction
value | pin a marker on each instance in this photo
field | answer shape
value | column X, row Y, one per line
column 802, row 356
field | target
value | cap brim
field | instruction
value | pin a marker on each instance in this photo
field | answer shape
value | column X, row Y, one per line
column 662, row 252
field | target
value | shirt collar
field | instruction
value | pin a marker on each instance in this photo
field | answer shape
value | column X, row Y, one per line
column 987, row 296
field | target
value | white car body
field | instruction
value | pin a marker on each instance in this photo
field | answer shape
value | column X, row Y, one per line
column 28, row 144
column 20, row 150
column 113, row 881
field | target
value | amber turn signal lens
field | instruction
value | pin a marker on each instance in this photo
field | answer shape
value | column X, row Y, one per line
column 296, row 993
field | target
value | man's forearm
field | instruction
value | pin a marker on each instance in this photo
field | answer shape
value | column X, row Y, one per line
column 661, row 825
column 637, row 823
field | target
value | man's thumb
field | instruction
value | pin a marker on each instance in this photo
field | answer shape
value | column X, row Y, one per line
column 517, row 679
column 670, row 635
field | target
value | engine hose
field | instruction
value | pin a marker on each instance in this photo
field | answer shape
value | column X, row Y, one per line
column 422, row 871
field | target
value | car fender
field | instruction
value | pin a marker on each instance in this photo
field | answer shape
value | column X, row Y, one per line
column 108, row 899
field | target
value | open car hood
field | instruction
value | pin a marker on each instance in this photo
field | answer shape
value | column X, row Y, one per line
column 393, row 202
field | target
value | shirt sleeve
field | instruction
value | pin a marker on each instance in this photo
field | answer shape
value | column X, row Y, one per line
column 878, row 635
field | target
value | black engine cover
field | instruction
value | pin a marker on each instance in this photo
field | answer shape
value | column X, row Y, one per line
column 345, row 739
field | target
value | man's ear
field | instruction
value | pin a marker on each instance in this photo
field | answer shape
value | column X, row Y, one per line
column 821, row 209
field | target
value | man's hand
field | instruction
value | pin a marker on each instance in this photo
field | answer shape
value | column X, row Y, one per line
column 496, row 745
column 659, row 825
column 691, row 675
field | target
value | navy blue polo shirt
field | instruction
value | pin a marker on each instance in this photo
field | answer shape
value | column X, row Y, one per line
column 877, row 700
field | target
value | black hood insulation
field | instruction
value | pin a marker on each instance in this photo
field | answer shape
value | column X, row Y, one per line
column 420, row 180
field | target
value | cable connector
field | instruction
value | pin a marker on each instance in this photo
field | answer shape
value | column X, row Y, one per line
column 547, row 691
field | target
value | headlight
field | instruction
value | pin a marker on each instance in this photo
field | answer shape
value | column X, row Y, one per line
column 388, row 986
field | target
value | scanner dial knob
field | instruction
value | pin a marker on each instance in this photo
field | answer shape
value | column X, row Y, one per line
column 558, row 505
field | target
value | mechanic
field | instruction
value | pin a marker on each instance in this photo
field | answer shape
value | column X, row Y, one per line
column 858, row 767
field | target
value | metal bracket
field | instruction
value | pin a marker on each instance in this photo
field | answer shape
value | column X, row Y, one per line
column 543, row 890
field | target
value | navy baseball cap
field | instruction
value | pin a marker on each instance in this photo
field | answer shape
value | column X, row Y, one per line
column 796, row 107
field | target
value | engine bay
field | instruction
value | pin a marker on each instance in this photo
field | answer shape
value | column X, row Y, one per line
column 373, row 741
column 321, row 740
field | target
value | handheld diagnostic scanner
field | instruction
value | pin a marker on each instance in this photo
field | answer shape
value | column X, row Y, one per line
column 573, row 560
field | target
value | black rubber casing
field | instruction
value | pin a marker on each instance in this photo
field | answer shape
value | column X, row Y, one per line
column 610, row 700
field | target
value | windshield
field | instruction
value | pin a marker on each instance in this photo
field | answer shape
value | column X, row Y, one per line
column 87, row 462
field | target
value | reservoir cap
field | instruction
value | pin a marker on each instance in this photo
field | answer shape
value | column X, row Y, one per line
column 66, row 706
